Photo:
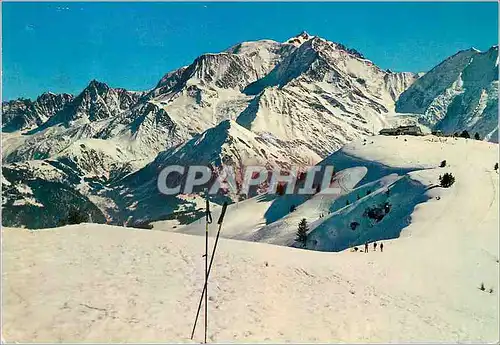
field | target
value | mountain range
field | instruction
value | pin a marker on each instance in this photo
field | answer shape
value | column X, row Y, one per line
column 261, row 102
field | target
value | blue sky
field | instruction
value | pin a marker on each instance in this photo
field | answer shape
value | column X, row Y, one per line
column 60, row 46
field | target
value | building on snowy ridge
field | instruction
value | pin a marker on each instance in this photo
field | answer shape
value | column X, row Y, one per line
column 402, row 130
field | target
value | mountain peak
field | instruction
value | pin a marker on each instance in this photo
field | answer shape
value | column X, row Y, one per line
column 304, row 34
column 299, row 39
column 96, row 84
column 50, row 103
column 493, row 48
column 46, row 95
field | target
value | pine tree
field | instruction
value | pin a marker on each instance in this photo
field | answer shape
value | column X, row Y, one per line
column 302, row 232
column 496, row 166
column 476, row 136
column 446, row 180
column 75, row 216
column 465, row 134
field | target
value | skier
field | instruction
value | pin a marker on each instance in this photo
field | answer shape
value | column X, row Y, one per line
column 366, row 247
column 374, row 246
column 381, row 247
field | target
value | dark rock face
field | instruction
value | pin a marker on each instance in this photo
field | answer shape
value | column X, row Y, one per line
column 24, row 114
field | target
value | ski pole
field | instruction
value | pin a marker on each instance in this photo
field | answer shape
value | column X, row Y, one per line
column 208, row 221
column 203, row 293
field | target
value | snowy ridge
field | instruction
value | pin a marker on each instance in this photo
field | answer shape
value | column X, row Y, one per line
column 97, row 101
column 379, row 171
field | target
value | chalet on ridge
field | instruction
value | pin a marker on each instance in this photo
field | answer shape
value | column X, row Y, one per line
column 402, row 130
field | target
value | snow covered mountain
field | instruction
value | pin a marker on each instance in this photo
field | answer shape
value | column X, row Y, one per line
column 99, row 112
column 461, row 93
column 226, row 144
column 97, row 101
column 22, row 114
column 38, row 193
column 322, row 91
column 289, row 90
column 261, row 102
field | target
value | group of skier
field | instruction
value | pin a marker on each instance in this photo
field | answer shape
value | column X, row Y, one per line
column 375, row 244
column 374, row 247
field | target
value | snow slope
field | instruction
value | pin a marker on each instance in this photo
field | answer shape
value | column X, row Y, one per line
column 401, row 172
column 97, row 283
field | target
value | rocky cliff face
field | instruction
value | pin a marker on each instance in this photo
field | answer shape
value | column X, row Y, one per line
column 25, row 114
column 461, row 93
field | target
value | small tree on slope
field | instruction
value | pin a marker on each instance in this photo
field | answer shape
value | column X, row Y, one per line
column 496, row 166
column 75, row 216
column 476, row 136
column 302, row 232
column 446, row 180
